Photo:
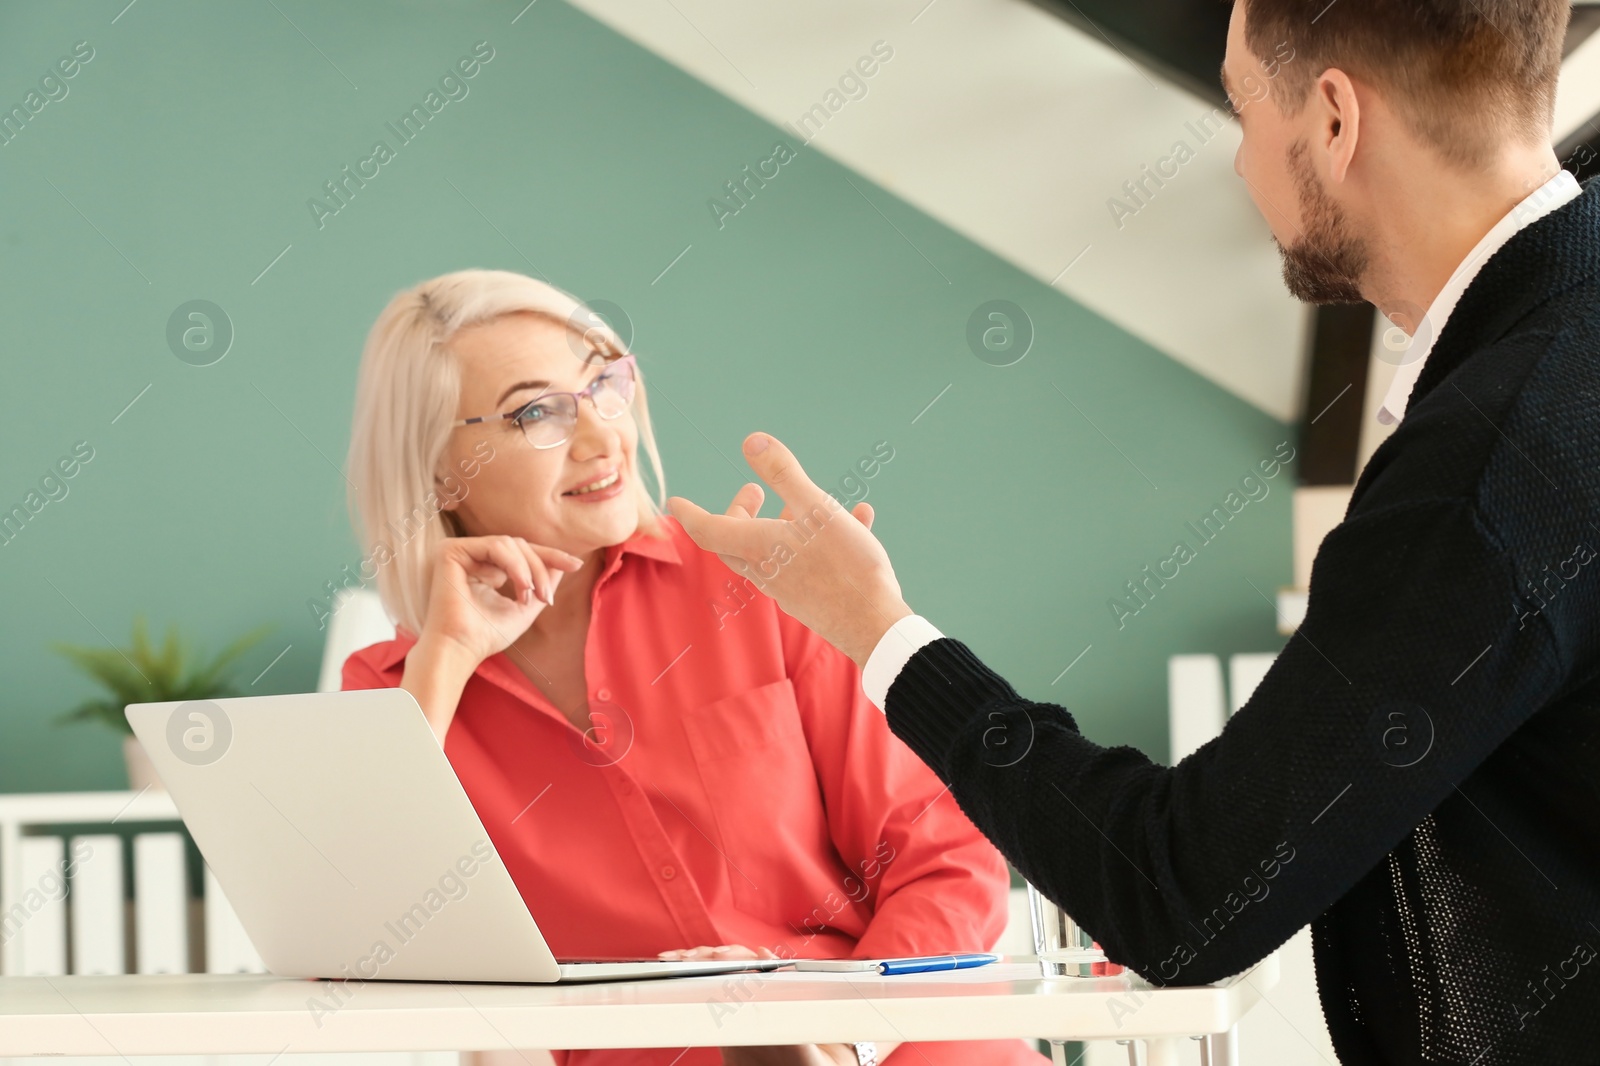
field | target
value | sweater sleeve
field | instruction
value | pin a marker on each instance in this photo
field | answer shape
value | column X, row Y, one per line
column 1410, row 668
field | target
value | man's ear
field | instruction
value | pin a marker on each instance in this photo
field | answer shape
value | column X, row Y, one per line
column 1338, row 119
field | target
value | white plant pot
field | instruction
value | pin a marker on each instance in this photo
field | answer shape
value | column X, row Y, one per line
column 141, row 771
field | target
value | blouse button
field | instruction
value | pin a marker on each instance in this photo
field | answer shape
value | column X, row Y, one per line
column 603, row 695
column 668, row 873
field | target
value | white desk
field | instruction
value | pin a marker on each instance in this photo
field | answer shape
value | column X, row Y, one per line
column 249, row 1013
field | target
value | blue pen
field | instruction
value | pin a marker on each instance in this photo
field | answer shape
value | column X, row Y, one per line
column 891, row 967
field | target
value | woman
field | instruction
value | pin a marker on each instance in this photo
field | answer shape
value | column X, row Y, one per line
column 664, row 761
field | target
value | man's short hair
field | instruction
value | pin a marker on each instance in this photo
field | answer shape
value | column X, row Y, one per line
column 1465, row 74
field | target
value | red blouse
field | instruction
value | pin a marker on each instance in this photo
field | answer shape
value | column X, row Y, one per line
column 734, row 787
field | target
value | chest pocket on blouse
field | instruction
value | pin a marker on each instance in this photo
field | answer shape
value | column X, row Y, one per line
column 759, row 778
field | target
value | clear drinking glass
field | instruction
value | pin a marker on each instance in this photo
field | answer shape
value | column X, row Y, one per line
column 1064, row 949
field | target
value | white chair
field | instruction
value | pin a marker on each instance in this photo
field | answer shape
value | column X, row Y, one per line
column 358, row 619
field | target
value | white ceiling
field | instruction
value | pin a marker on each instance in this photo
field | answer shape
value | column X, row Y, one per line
column 1014, row 129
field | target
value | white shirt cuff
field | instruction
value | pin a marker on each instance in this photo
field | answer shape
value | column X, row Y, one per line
column 903, row 640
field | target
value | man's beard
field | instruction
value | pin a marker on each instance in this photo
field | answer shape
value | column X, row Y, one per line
column 1324, row 266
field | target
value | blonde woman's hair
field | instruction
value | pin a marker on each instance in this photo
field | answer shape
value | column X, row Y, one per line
column 406, row 396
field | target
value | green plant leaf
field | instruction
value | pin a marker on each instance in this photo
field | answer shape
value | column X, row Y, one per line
column 143, row 673
column 112, row 668
column 98, row 711
column 168, row 663
column 211, row 675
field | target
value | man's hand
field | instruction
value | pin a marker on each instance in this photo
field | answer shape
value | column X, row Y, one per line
column 820, row 562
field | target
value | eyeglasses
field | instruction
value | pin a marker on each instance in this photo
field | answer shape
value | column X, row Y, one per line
column 547, row 421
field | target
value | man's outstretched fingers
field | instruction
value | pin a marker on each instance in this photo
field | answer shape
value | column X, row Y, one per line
column 689, row 514
column 723, row 534
column 747, row 501
column 776, row 465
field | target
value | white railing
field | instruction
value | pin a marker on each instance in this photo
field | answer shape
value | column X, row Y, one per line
column 64, row 904
column 67, row 863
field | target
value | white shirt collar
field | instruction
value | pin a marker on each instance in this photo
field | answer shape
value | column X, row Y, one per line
column 1558, row 191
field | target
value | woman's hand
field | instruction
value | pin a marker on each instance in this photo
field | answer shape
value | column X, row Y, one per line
column 790, row 1055
column 485, row 593
column 781, row 1055
column 710, row 954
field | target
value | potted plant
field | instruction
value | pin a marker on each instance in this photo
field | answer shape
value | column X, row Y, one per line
column 144, row 673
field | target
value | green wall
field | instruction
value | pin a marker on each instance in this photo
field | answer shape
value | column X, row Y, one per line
column 179, row 165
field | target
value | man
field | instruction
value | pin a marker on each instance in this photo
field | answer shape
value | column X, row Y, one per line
column 1417, row 774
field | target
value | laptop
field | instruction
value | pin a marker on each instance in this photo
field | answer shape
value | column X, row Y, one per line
column 347, row 846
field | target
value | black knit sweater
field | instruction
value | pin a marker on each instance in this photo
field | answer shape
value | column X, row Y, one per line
column 1419, row 773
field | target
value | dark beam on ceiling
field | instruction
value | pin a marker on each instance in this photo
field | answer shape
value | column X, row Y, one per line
column 1585, row 20
column 1183, row 41
column 1180, row 40
column 1336, row 393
